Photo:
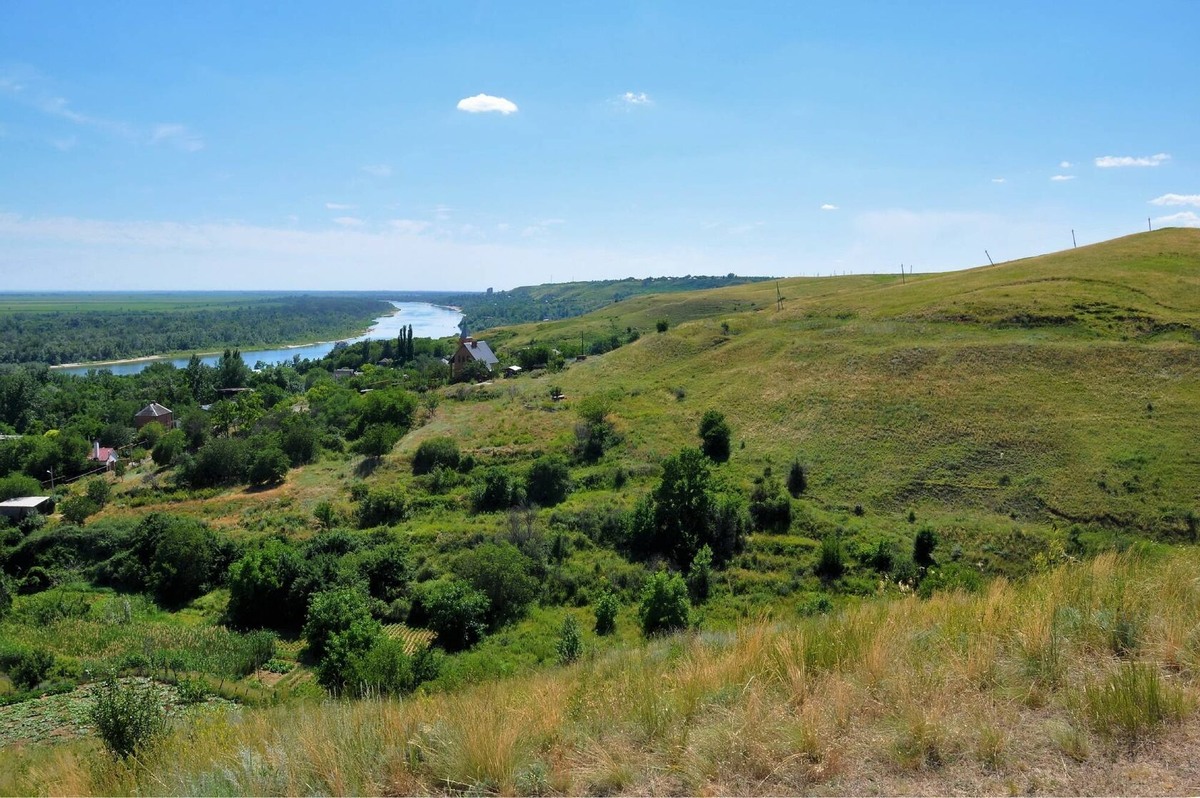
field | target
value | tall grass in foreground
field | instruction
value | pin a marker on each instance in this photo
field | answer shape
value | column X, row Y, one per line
column 899, row 696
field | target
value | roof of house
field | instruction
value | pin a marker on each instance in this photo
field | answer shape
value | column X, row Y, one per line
column 153, row 410
column 479, row 350
column 26, row 501
column 102, row 454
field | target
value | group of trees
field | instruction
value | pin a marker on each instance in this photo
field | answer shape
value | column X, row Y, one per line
column 91, row 334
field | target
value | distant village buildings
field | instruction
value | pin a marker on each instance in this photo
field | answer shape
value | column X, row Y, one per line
column 470, row 351
column 154, row 413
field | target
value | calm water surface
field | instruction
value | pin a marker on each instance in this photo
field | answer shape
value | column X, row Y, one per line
column 428, row 321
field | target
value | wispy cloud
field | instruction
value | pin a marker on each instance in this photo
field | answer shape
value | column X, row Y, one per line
column 1065, row 165
column 1115, row 161
column 486, row 103
column 541, row 227
column 742, row 229
column 65, row 144
column 378, row 170
column 999, row 179
column 1062, row 178
column 338, row 206
column 178, row 136
column 28, row 87
column 829, row 206
column 636, row 98
column 1177, row 199
column 409, row 226
column 1181, row 219
column 349, row 221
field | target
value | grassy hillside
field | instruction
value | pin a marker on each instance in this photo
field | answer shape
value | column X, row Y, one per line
column 1055, row 388
column 1032, row 414
column 1081, row 681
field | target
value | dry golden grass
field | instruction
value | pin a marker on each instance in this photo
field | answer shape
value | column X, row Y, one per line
column 905, row 696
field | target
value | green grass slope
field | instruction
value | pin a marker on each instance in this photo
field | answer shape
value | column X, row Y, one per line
column 1064, row 387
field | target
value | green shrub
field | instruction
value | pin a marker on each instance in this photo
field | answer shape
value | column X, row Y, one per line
column 502, row 573
column 127, row 717
column 699, row 578
column 770, row 508
column 76, row 509
column 331, row 613
column 923, row 545
column 570, row 641
column 831, row 562
column 456, row 612
column 36, row 580
column 435, row 452
column 14, row 486
column 714, row 436
column 496, row 490
column 382, row 507
column 170, row 448
column 192, row 691
column 31, row 668
column 606, row 613
column 548, row 481
column 661, row 325
column 664, row 606
column 948, row 578
column 270, row 465
column 797, row 481
column 99, row 490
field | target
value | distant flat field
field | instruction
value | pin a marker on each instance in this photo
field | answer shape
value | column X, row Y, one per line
column 54, row 301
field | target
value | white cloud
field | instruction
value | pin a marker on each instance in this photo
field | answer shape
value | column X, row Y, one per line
column 378, row 170
column 338, row 206
column 66, row 143
column 636, row 98
column 828, row 206
column 486, row 103
column 1181, row 219
column 349, row 221
column 1177, row 199
column 1062, row 178
column 409, row 226
column 1065, row 165
column 541, row 227
column 999, row 180
column 1113, row 161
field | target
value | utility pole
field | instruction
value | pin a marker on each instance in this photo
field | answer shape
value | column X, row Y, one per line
column 51, row 473
column 1149, row 226
column 989, row 257
column 1073, row 244
column 901, row 274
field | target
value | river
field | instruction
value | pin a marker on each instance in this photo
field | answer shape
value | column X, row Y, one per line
column 428, row 321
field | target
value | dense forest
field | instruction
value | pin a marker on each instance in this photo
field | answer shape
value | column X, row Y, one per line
column 66, row 335
column 551, row 301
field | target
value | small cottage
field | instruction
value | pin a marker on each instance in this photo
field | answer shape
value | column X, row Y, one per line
column 103, row 455
column 154, row 413
column 16, row 509
column 470, row 350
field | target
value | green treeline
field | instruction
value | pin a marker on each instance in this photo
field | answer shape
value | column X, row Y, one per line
column 482, row 311
column 67, row 336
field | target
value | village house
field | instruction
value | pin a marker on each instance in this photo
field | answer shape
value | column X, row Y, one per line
column 19, row 508
column 154, row 413
column 470, row 350
column 103, row 455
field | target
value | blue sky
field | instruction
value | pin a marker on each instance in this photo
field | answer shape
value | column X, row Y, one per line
column 465, row 145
